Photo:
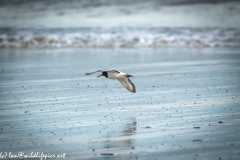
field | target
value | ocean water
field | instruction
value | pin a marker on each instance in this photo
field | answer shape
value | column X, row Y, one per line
column 124, row 13
column 119, row 24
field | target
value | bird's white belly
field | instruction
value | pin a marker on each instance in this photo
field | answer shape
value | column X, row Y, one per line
column 113, row 76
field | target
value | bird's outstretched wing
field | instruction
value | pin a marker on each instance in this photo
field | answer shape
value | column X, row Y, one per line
column 113, row 71
column 93, row 72
column 128, row 84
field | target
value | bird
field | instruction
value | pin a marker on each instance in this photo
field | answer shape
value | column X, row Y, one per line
column 122, row 77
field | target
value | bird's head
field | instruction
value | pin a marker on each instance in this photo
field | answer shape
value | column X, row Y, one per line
column 104, row 73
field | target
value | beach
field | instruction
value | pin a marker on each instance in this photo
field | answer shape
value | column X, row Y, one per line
column 184, row 58
column 186, row 104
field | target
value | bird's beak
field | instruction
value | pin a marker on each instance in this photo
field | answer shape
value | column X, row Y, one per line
column 99, row 75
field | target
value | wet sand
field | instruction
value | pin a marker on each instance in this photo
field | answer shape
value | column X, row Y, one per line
column 186, row 105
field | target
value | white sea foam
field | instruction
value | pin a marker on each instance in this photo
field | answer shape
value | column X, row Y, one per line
column 119, row 37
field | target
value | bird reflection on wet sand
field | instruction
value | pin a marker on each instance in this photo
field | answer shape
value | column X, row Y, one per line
column 121, row 140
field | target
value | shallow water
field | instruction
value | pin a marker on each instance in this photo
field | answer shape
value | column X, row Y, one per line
column 186, row 105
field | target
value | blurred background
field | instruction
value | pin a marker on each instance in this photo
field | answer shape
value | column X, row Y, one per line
column 112, row 23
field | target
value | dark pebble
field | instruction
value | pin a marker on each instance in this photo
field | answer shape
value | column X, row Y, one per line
column 107, row 154
column 197, row 140
column 196, row 127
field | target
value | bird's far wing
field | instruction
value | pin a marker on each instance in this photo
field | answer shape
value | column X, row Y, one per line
column 93, row 72
column 128, row 84
column 113, row 71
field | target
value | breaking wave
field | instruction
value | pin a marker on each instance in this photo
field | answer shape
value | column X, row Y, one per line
column 119, row 37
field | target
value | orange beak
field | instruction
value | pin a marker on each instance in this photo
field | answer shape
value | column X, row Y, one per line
column 99, row 75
